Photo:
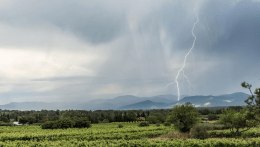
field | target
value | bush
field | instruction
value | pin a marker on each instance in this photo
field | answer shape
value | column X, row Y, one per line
column 158, row 124
column 236, row 120
column 31, row 120
column 184, row 117
column 4, row 119
column 82, row 123
column 60, row 124
column 55, row 125
column 199, row 132
column 48, row 125
column 212, row 116
column 105, row 121
column 65, row 123
column 167, row 124
column 120, row 126
column 23, row 120
column 143, row 124
column 152, row 120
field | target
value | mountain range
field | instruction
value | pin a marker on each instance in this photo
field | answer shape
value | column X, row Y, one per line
column 130, row 102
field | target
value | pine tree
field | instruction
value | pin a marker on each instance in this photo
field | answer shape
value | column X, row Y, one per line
column 143, row 115
column 8, row 116
column 138, row 115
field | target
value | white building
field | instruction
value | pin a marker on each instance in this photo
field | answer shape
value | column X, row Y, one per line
column 16, row 123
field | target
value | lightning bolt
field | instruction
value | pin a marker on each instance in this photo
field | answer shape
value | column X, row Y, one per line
column 184, row 63
column 208, row 27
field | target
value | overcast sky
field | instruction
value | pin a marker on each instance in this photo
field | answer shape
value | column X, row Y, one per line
column 66, row 50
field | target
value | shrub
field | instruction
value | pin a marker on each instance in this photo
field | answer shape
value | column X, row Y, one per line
column 31, row 120
column 55, row 125
column 158, row 124
column 23, row 120
column 167, row 124
column 212, row 116
column 184, row 117
column 120, row 126
column 48, row 125
column 199, row 132
column 65, row 123
column 236, row 120
column 152, row 120
column 4, row 119
column 105, row 121
column 82, row 123
column 143, row 124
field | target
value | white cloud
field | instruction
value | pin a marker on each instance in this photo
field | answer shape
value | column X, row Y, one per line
column 208, row 103
column 228, row 100
column 197, row 105
column 28, row 64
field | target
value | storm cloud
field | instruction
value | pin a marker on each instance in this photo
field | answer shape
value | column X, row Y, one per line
column 81, row 50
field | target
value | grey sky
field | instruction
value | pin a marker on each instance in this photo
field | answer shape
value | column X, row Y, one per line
column 81, row 50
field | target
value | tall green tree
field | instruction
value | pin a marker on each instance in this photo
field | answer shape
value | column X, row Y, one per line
column 131, row 115
column 143, row 115
column 125, row 117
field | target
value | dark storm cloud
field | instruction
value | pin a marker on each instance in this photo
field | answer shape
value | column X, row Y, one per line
column 92, row 21
column 143, row 45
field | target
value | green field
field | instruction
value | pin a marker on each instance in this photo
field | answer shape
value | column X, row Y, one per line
column 106, row 135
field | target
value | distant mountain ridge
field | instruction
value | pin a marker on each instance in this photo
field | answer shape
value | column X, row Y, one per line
column 235, row 99
column 128, row 102
column 144, row 105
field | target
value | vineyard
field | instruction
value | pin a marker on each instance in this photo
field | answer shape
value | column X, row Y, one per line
column 110, row 135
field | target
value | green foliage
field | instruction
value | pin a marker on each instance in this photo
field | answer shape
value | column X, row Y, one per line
column 82, row 123
column 152, row 119
column 158, row 124
column 72, row 114
column 49, row 125
column 120, row 126
column 23, row 120
column 4, row 119
column 254, row 98
column 211, row 126
column 212, row 116
column 143, row 124
column 205, row 111
column 31, row 120
column 167, row 124
column 105, row 121
column 110, row 135
column 65, row 123
column 199, row 132
column 60, row 124
column 131, row 115
column 183, row 117
column 236, row 120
